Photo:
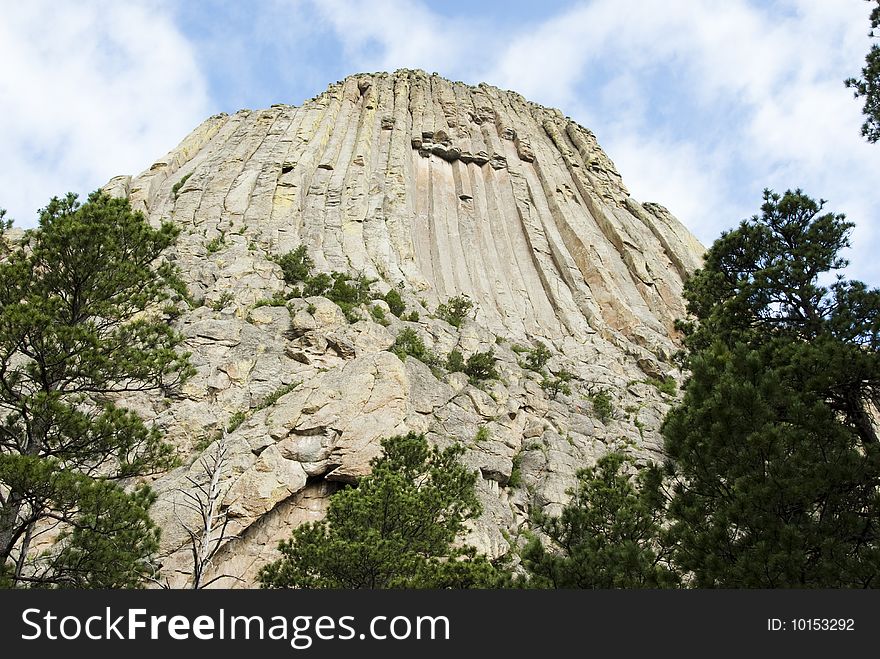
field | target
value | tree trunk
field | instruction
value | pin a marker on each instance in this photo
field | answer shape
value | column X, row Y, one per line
column 10, row 528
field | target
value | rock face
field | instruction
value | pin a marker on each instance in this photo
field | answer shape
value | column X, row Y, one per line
column 437, row 189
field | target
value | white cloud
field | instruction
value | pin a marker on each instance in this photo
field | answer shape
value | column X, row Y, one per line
column 701, row 104
column 384, row 35
column 88, row 91
column 683, row 177
column 754, row 90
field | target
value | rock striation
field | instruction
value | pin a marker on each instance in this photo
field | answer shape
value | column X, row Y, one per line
column 437, row 189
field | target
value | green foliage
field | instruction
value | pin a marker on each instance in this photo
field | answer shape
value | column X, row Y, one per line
column 558, row 384
column 317, row 285
column 175, row 189
column 603, row 407
column 242, row 415
column 760, row 280
column 641, row 426
column 181, row 292
column 455, row 362
column 223, row 301
column 110, row 542
column 773, row 448
column 667, row 385
column 408, row 342
column 455, row 310
column 345, row 291
column 236, row 420
column 607, row 537
column 272, row 398
column 536, row 358
column 213, row 246
column 868, row 85
column 775, row 491
column 296, row 265
column 395, row 302
column 480, row 366
column 378, row 314
column 277, row 300
column 311, row 309
column 4, row 249
column 515, row 479
column 80, row 320
column 394, row 530
column 413, row 317
column 482, row 434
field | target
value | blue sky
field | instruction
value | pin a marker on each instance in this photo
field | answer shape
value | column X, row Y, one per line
column 700, row 103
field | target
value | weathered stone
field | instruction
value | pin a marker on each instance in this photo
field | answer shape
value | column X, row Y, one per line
column 271, row 479
column 545, row 242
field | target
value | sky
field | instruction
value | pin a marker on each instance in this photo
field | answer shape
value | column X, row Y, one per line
column 701, row 104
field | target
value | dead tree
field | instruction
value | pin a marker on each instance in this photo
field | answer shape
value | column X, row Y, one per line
column 208, row 533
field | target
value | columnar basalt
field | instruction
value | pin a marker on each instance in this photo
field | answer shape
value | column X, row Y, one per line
column 437, row 189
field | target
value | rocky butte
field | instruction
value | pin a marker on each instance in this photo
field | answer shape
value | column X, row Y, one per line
column 437, row 189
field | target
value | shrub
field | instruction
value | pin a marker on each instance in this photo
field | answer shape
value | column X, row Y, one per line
column 277, row 300
column 482, row 434
column 455, row 362
column 602, row 405
column 413, row 317
column 667, row 385
column 455, row 310
column 480, row 366
column 378, row 314
column 272, row 398
column 235, row 421
column 223, row 301
column 349, row 290
column 536, row 358
column 395, row 302
column 296, row 265
column 349, row 293
column 516, row 471
column 558, row 384
column 175, row 189
column 317, row 285
column 410, row 343
column 213, row 246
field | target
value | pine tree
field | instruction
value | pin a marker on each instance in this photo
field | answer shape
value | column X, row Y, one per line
column 774, row 447
column 608, row 536
column 868, row 85
column 394, row 530
column 80, row 323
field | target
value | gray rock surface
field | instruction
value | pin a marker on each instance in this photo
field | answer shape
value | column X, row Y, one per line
column 440, row 189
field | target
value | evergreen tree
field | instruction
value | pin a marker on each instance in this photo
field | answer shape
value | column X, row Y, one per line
column 607, row 536
column 79, row 322
column 394, row 530
column 774, row 446
column 868, row 85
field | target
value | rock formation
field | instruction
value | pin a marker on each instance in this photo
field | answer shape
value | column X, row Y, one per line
column 437, row 189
